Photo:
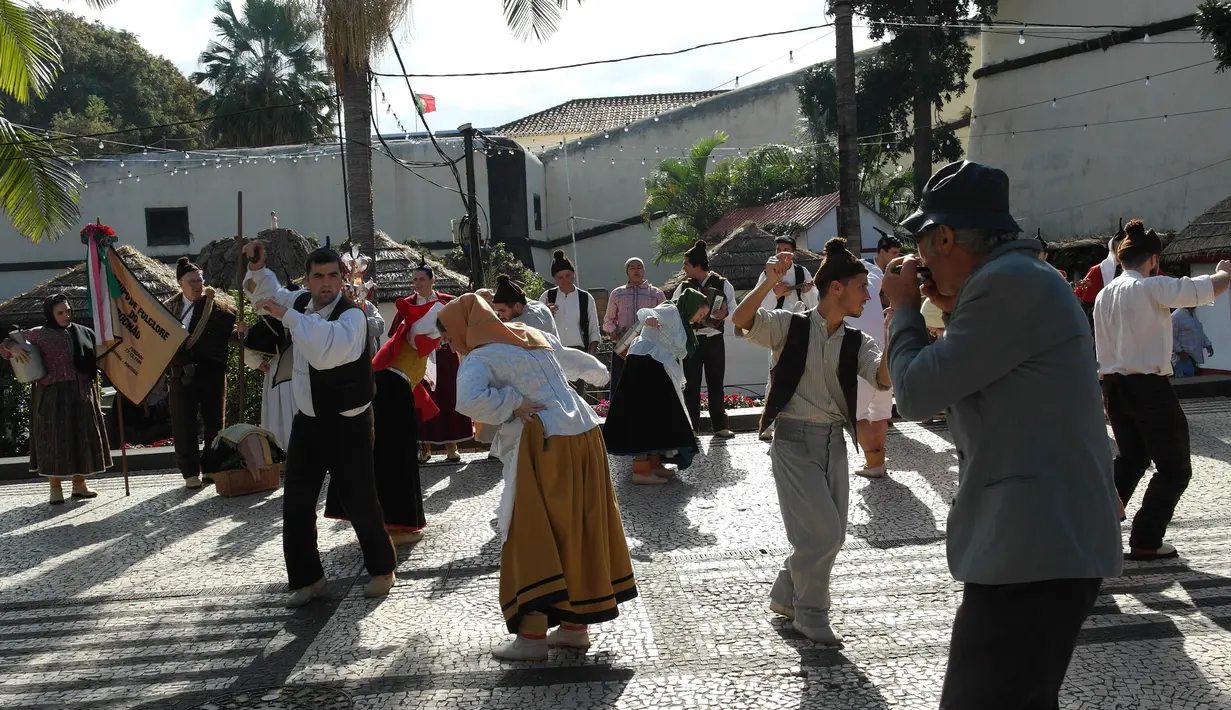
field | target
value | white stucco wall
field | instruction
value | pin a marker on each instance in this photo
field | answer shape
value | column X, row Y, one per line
column 827, row 228
column 604, row 192
column 1061, row 179
column 307, row 195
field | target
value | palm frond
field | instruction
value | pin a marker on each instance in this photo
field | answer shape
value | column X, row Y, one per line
column 354, row 30
column 39, row 189
column 29, row 53
column 534, row 18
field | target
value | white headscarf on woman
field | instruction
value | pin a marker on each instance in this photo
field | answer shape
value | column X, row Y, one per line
column 1108, row 267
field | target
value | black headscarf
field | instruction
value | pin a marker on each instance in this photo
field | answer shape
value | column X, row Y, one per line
column 81, row 339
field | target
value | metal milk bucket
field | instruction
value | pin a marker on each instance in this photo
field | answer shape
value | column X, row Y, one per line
column 33, row 370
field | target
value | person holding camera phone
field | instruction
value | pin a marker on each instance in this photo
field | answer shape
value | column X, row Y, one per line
column 710, row 356
column 1034, row 527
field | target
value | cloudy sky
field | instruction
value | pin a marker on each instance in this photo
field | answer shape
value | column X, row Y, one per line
column 448, row 36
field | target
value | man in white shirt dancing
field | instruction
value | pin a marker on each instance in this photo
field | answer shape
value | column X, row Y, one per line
column 332, row 431
column 875, row 406
column 1132, row 338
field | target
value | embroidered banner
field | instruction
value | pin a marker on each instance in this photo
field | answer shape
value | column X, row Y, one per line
column 146, row 335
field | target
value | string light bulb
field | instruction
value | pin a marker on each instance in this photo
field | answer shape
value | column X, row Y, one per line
column 791, row 57
column 130, row 173
column 1053, row 103
column 643, row 161
column 1147, row 38
column 737, row 82
column 100, row 145
column 164, row 163
column 138, row 178
column 186, row 155
column 1147, row 81
column 120, row 181
column 613, row 161
column 1164, row 118
column 86, row 185
column 655, row 117
column 1021, row 37
column 121, row 163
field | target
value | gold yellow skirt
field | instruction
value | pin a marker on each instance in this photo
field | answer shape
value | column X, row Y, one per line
column 565, row 556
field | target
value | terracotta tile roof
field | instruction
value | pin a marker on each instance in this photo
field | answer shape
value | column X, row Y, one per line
column 587, row 116
column 803, row 210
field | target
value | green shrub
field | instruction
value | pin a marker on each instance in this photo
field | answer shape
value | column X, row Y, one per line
column 14, row 414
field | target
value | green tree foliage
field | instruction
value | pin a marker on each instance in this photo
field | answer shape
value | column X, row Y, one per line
column 690, row 194
column 95, row 119
column 39, row 190
column 265, row 58
column 496, row 260
column 139, row 89
column 1214, row 19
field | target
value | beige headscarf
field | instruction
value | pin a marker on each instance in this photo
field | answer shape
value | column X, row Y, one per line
column 471, row 323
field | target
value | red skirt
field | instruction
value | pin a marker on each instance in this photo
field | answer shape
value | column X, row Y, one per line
column 448, row 427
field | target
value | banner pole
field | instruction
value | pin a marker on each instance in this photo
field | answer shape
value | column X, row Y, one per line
column 118, row 403
column 239, row 262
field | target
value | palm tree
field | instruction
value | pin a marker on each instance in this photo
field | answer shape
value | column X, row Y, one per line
column 355, row 31
column 687, row 196
column 39, row 189
column 264, row 59
column 848, row 138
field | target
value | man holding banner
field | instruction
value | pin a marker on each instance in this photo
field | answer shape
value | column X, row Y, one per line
column 198, row 369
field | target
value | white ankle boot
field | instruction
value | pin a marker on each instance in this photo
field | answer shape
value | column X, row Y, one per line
column 522, row 649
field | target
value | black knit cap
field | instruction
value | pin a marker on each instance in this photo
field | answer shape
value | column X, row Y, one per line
column 560, row 262
column 784, row 239
column 183, row 267
column 887, row 241
column 508, row 292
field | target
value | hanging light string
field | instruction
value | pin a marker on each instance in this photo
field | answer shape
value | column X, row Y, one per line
column 1138, row 189
column 789, row 55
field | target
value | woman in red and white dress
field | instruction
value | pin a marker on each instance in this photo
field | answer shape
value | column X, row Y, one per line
column 448, row 427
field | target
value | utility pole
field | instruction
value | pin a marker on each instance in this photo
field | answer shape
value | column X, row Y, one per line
column 472, row 219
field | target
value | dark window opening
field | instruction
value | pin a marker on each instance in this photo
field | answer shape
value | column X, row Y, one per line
column 538, row 213
column 166, row 226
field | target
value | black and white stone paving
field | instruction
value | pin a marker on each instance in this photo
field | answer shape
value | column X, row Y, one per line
column 172, row 599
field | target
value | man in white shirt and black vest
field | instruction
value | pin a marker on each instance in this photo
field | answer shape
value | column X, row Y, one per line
column 710, row 355
column 818, row 360
column 795, row 293
column 574, row 310
column 1133, row 341
column 332, row 431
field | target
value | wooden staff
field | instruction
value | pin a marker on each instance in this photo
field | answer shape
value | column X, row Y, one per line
column 242, row 268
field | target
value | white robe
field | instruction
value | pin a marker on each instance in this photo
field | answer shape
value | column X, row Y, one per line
column 277, row 403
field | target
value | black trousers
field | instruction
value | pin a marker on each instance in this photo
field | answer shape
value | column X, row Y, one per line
column 1012, row 644
column 1149, row 425
column 203, row 393
column 342, row 447
column 710, row 357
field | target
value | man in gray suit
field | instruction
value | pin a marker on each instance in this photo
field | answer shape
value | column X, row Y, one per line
column 1033, row 529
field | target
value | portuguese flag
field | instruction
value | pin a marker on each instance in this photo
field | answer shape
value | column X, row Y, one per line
column 425, row 103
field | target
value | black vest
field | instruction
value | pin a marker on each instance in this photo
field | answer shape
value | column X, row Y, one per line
column 799, row 285
column 785, row 376
column 583, row 304
column 345, row 387
column 717, row 285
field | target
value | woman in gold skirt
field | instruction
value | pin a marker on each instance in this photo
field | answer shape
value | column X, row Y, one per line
column 564, row 561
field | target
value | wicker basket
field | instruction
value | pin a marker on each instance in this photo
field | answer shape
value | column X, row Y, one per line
column 238, row 482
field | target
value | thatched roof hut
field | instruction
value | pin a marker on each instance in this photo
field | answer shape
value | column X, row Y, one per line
column 285, row 253
column 26, row 310
column 741, row 257
column 1206, row 240
column 1075, row 256
column 394, row 263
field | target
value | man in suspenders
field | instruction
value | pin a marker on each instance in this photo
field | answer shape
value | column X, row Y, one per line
column 812, row 395
column 875, row 407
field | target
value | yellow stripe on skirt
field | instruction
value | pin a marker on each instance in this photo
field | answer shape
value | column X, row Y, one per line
column 565, row 556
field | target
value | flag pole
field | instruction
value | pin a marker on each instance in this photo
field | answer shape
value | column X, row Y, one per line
column 117, row 401
column 239, row 262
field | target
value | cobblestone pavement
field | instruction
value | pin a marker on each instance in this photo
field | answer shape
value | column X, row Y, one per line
column 171, row 599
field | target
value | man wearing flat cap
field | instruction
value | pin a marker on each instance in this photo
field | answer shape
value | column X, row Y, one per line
column 1033, row 529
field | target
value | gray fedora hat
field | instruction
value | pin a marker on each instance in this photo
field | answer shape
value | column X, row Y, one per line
column 964, row 195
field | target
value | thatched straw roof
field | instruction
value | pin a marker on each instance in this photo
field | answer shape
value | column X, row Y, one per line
column 1206, row 239
column 741, row 257
column 394, row 263
column 285, row 253
column 26, row 310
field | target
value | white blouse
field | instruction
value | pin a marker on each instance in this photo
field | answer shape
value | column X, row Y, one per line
column 668, row 343
column 495, row 379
